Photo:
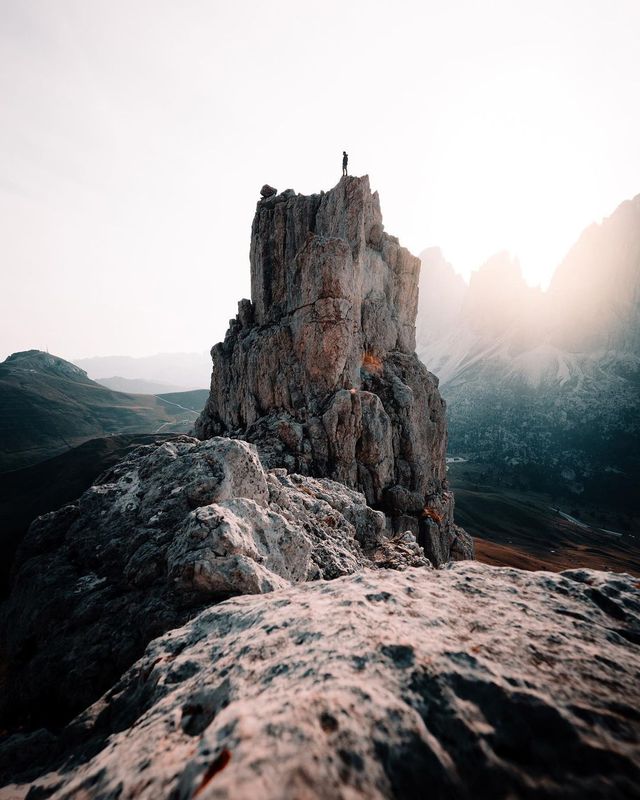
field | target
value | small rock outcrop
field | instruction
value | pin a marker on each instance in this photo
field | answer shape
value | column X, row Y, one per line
column 170, row 529
column 466, row 682
column 268, row 191
column 319, row 368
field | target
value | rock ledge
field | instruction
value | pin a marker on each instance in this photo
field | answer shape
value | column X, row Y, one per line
column 473, row 681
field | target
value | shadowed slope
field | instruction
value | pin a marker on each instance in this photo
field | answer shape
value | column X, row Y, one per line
column 48, row 405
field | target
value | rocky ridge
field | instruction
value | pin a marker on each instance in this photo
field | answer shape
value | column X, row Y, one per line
column 471, row 681
column 319, row 369
column 170, row 529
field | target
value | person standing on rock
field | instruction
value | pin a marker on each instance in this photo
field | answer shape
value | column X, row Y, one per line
column 345, row 161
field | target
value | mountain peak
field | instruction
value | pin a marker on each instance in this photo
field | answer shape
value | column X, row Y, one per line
column 319, row 370
column 45, row 362
column 332, row 246
column 595, row 292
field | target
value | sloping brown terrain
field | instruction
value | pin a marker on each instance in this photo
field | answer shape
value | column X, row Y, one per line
column 527, row 530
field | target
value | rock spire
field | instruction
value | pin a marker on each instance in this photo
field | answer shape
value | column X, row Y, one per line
column 319, row 369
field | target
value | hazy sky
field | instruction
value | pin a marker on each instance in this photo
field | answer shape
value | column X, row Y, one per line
column 135, row 135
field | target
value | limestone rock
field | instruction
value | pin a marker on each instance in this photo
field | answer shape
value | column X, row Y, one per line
column 319, row 369
column 170, row 529
column 466, row 682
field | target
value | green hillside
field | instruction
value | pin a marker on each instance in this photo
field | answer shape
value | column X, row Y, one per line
column 48, row 405
column 193, row 399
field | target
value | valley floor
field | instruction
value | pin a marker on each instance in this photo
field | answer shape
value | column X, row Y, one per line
column 531, row 531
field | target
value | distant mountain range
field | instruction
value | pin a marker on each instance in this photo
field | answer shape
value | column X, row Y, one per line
column 49, row 405
column 544, row 387
column 138, row 385
column 164, row 372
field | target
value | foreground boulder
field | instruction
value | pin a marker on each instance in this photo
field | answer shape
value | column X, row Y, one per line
column 170, row 529
column 467, row 682
column 319, row 368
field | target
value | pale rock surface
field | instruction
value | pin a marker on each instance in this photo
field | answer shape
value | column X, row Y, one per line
column 170, row 529
column 319, row 368
column 465, row 682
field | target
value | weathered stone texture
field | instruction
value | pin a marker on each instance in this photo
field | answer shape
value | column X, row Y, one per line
column 466, row 682
column 319, row 369
column 170, row 529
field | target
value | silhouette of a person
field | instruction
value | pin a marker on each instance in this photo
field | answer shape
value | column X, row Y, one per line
column 345, row 161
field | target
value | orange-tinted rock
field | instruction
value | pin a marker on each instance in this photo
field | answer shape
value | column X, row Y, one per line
column 325, row 349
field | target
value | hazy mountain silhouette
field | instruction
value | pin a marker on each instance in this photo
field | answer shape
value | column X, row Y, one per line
column 543, row 387
column 178, row 371
column 138, row 385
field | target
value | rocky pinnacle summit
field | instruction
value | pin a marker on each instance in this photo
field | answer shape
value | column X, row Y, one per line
column 319, row 369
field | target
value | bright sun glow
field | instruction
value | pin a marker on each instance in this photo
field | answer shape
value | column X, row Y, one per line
column 134, row 138
column 511, row 179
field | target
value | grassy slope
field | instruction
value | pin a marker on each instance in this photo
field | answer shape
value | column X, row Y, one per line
column 43, row 414
column 193, row 399
column 520, row 529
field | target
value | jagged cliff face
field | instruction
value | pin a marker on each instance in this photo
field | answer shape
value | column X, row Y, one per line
column 595, row 292
column 319, row 369
column 545, row 384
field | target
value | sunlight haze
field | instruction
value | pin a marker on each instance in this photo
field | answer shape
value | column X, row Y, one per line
column 135, row 136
